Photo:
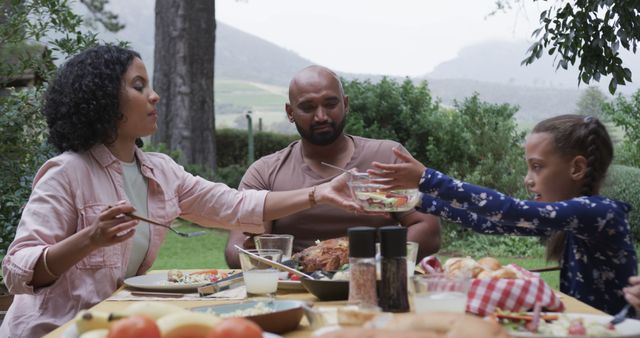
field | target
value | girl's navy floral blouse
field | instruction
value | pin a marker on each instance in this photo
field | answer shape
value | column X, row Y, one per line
column 599, row 256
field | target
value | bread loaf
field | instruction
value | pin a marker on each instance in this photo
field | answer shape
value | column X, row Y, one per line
column 490, row 263
column 461, row 267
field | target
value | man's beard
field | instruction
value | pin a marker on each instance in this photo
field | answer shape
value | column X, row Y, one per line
column 325, row 137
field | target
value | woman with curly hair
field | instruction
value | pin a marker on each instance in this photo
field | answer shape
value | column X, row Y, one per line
column 75, row 243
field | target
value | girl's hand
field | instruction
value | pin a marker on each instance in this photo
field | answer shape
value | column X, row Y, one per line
column 112, row 226
column 404, row 175
column 632, row 293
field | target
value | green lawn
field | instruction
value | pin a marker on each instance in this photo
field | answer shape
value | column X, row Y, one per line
column 192, row 253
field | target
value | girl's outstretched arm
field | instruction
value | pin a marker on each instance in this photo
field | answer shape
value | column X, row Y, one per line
column 584, row 215
column 473, row 221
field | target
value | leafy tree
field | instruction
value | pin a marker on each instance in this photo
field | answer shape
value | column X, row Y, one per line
column 33, row 34
column 591, row 102
column 99, row 14
column 626, row 114
column 589, row 32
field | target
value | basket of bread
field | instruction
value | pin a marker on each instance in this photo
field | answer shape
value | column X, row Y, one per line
column 494, row 286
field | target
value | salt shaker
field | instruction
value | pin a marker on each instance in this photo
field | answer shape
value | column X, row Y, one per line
column 362, row 266
column 393, row 251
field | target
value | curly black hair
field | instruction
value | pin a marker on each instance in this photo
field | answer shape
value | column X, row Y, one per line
column 82, row 104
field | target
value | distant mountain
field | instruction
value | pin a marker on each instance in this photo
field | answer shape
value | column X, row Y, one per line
column 534, row 103
column 499, row 62
column 490, row 69
column 243, row 56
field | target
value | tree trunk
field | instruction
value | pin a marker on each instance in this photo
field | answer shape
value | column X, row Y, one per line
column 183, row 77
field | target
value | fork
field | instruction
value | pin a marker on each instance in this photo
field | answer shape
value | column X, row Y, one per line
column 179, row 233
column 620, row 316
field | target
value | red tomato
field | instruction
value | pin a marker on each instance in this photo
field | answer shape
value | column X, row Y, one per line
column 134, row 327
column 294, row 277
column 236, row 328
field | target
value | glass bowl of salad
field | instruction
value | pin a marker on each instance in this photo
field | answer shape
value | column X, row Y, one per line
column 370, row 194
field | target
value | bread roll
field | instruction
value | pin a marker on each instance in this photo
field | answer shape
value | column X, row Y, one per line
column 490, row 263
column 477, row 272
column 486, row 274
column 505, row 273
column 461, row 267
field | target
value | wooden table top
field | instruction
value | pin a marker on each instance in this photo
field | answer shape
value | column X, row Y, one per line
column 304, row 331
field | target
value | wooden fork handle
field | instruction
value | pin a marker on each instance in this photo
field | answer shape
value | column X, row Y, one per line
column 138, row 217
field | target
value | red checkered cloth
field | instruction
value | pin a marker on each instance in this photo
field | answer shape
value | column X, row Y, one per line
column 487, row 295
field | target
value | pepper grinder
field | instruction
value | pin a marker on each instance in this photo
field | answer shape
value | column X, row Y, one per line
column 393, row 251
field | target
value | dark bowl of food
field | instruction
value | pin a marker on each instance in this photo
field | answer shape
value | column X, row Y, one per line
column 277, row 316
column 327, row 289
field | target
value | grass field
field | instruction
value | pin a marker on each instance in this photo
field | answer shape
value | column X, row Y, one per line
column 208, row 252
column 258, row 97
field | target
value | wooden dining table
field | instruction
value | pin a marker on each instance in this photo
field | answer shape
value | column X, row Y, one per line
column 571, row 304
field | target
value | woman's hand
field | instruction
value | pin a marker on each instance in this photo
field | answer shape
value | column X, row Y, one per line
column 632, row 292
column 112, row 226
column 337, row 193
column 404, row 175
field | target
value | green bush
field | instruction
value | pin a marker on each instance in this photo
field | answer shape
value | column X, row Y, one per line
column 230, row 175
column 461, row 241
column 623, row 183
column 33, row 34
column 23, row 149
column 231, row 145
column 625, row 113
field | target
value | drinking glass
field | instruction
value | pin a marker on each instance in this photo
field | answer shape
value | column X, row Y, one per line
column 259, row 278
column 275, row 241
column 437, row 292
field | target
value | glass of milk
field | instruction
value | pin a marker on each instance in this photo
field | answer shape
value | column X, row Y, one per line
column 259, row 278
column 439, row 293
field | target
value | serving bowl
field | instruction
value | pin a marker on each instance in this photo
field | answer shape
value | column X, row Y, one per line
column 285, row 317
column 326, row 289
column 371, row 196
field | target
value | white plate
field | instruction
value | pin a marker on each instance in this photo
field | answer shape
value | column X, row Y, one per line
column 291, row 285
column 627, row 329
column 72, row 332
column 158, row 281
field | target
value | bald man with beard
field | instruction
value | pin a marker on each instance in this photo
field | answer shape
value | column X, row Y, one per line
column 319, row 109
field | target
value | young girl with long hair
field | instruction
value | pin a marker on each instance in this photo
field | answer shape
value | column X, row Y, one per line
column 567, row 158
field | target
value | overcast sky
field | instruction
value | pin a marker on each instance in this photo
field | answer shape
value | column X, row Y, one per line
column 393, row 37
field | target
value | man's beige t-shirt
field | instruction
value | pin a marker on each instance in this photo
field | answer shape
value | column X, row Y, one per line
column 286, row 170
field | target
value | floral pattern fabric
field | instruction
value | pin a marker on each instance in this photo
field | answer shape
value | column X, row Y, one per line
column 598, row 258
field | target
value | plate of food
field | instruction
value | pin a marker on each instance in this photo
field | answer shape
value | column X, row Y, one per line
column 176, row 280
column 553, row 325
column 278, row 316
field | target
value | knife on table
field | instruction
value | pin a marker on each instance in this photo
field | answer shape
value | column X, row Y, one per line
column 221, row 285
